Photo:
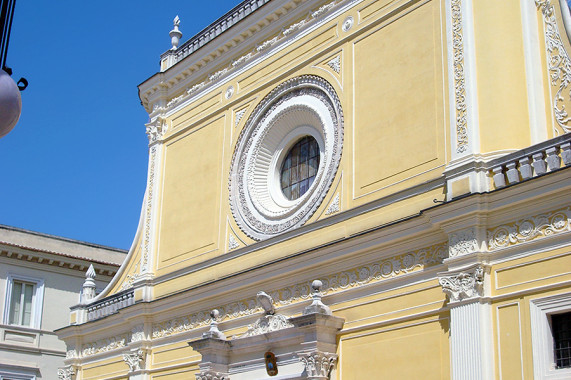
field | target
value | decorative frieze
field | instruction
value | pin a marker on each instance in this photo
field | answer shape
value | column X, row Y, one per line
column 463, row 242
column 317, row 364
column 135, row 360
column 377, row 271
column 66, row 373
column 138, row 333
column 530, row 228
column 558, row 62
column 211, row 375
column 105, row 345
column 463, row 285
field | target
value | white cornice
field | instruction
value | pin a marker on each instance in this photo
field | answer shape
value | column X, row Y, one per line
column 240, row 51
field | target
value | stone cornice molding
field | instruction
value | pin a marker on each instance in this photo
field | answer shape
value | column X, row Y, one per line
column 55, row 260
column 463, row 285
column 314, row 17
column 381, row 270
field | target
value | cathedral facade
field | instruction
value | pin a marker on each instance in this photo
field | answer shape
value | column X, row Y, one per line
column 349, row 189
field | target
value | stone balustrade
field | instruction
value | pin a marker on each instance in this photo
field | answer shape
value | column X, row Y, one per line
column 110, row 305
column 531, row 162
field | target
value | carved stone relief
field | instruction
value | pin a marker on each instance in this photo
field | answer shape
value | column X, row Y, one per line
column 463, row 285
column 530, row 228
column 463, row 242
column 317, row 364
column 558, row 62
column 134, row 360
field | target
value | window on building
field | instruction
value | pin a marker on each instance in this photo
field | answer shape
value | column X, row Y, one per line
column 300, row 168
column 561, row 330
column 24, row 299
column 550, row 336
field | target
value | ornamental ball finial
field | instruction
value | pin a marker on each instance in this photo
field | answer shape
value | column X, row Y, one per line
column 316, row 286
column 215, row 314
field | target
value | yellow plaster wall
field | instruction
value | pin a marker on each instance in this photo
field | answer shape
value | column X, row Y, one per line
column 104, row 369
column 131, row 269
column 398, row 101
column 509, row 341
column 174, row 354
column 411, row 350
column 190, row 212
column 538, row 270
column 500, row 71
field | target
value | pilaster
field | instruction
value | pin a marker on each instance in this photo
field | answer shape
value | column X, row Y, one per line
column 471, row 348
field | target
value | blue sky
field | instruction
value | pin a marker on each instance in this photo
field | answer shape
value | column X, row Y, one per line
column 76, row 163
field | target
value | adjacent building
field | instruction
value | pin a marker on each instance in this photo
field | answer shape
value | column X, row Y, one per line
column 41, row 277
column 349, row 189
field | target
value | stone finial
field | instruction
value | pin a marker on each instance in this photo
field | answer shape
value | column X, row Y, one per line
column 214, row 332
column 175, row 34
column 316, row 305
column 88, row 291
column 266, row 302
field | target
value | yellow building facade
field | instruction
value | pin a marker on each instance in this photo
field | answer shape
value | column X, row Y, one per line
column 349, row 189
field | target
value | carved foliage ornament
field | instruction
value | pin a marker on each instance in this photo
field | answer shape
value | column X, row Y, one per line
column 134, row 360
column 156, row 129
column 318, row 365
column 559, row 65
column 463, row 285
column 530, row 228
column 463, row 242
column 211, row 375
column 66, row 373
column 459, row 77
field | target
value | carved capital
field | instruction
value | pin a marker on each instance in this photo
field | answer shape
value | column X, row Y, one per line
column 318, row 365
column 156, row 129
column 135, row 359
column 463, row 242
column 463, row 285
column 212, row 375
column 66, row 373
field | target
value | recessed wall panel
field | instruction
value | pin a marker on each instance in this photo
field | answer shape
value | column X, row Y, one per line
column 399, row 128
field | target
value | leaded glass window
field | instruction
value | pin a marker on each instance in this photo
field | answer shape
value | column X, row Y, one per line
column 300, row 168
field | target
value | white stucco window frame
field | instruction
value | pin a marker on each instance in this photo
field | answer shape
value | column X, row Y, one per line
column 541, row 336
column 16, row 376
column 37, row 300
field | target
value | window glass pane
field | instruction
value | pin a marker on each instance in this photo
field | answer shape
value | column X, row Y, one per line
column 21, row 303
column 27, row 314
column 15, row 303
column 301, row 162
